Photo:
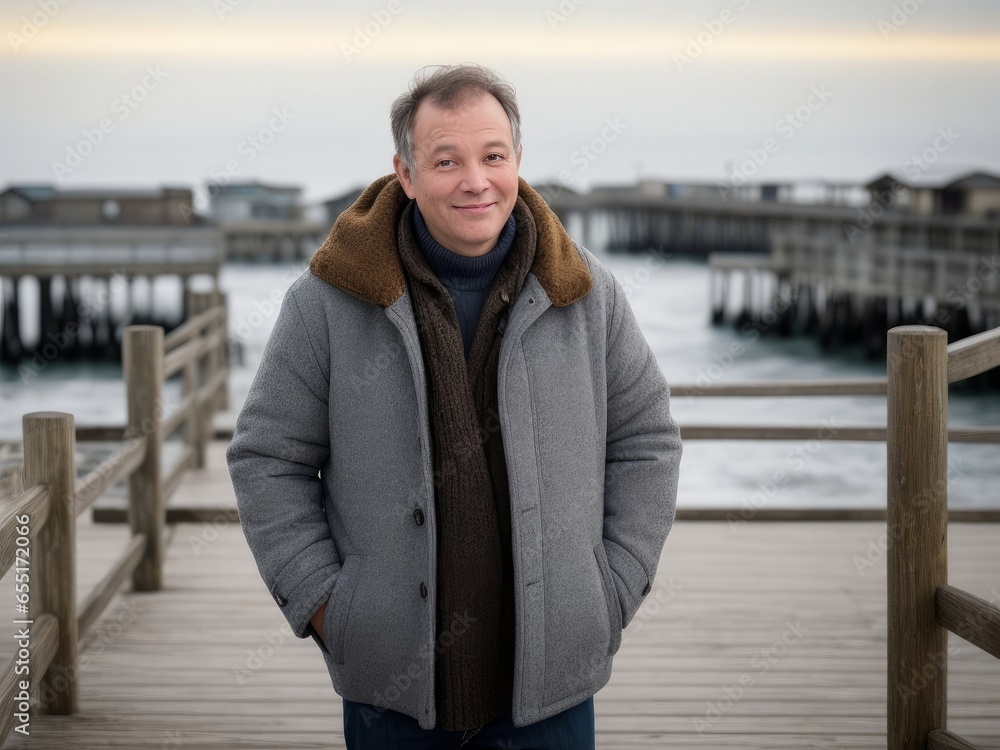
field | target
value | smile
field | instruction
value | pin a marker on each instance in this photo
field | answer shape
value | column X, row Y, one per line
column 476, row 208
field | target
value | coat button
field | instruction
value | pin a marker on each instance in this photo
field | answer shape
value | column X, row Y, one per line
column 418, row 516
column 423, row 590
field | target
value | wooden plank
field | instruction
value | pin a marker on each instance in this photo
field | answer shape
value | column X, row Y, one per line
column 974, row 619
column 974, row 355
column 101, row 594
column 121, row 464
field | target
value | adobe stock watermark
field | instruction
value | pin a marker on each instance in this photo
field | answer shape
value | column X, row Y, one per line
column 265, row 308
column 92, row 645
column 249, row 149
column 786, row 126
column 932, row 669
column 634, row 281
column 760, row 664
column 961, row 294
column 365, row 34
column 586, row 154
column 210, row 530
column 914, row 167
column 258, row 656
column 795, row 462
column 714, row 28
column 900, row 16
column 47, row 351
column 122, row 106
column 31, row 26
column 920, row 504
column 400, row 683
column 562, row 12
column 223, row 8
column 753, row 329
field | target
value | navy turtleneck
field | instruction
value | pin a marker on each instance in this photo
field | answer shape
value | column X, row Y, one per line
column 467, row 279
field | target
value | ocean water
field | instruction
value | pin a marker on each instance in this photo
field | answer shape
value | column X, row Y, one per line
column 670, row 299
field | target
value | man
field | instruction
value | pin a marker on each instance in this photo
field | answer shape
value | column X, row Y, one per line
column 456, row 466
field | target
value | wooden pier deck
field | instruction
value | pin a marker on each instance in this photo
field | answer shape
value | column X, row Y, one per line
column 765, row 635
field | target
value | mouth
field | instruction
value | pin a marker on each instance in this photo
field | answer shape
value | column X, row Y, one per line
column 475, row 208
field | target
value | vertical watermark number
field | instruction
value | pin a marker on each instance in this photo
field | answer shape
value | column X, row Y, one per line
column 22, row 632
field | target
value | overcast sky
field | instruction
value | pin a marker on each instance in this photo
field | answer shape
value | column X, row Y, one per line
column 298, row 92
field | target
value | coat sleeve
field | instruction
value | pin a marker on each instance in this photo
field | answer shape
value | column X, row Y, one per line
column 280, row 442
column 642, row 459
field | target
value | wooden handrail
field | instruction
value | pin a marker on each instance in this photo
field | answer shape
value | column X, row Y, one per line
column 974, row 355
column 192, row 328
column 942, row 739
column 968, row 616
column 101, row 594
column 179, row 416
column 173, row 479
column 846, row 387
column 850, row 434
column 33, row 502
column 55, row 497
column 109, row 471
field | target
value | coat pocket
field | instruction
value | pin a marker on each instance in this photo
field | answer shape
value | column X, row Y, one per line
column 338, row 608
column 611, row 599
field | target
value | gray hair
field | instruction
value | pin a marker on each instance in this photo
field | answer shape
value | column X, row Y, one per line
column 449, row 86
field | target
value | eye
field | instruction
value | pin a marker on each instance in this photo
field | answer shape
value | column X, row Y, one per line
column 445, row 163
column 495, row 157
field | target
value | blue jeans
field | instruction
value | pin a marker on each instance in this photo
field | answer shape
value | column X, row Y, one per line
column 369, row 728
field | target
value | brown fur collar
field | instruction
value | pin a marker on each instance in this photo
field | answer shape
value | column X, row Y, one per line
column 360, row 254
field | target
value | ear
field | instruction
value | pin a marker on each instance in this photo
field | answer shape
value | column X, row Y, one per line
column 520, row 150
column 403, row 173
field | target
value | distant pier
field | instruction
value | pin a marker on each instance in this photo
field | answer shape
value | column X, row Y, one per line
column 81, row 270
column 853, row 293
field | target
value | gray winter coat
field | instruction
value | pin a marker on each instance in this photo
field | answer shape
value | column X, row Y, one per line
column 332, row 468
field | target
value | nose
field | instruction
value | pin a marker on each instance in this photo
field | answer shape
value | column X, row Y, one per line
column 474, row 179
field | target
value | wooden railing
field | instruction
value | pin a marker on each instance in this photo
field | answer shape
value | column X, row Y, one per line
column 38, row 527
column 966, row 354
column 922, row 607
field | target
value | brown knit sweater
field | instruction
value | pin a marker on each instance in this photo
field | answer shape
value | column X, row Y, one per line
column 473, row 670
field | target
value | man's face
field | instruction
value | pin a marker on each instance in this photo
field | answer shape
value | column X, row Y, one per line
column 464, row 175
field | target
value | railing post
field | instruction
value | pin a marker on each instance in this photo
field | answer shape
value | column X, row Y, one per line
column 142, row 362
column 50, row 458
column 917, row 532
column 222, row 397
column 203, row 369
